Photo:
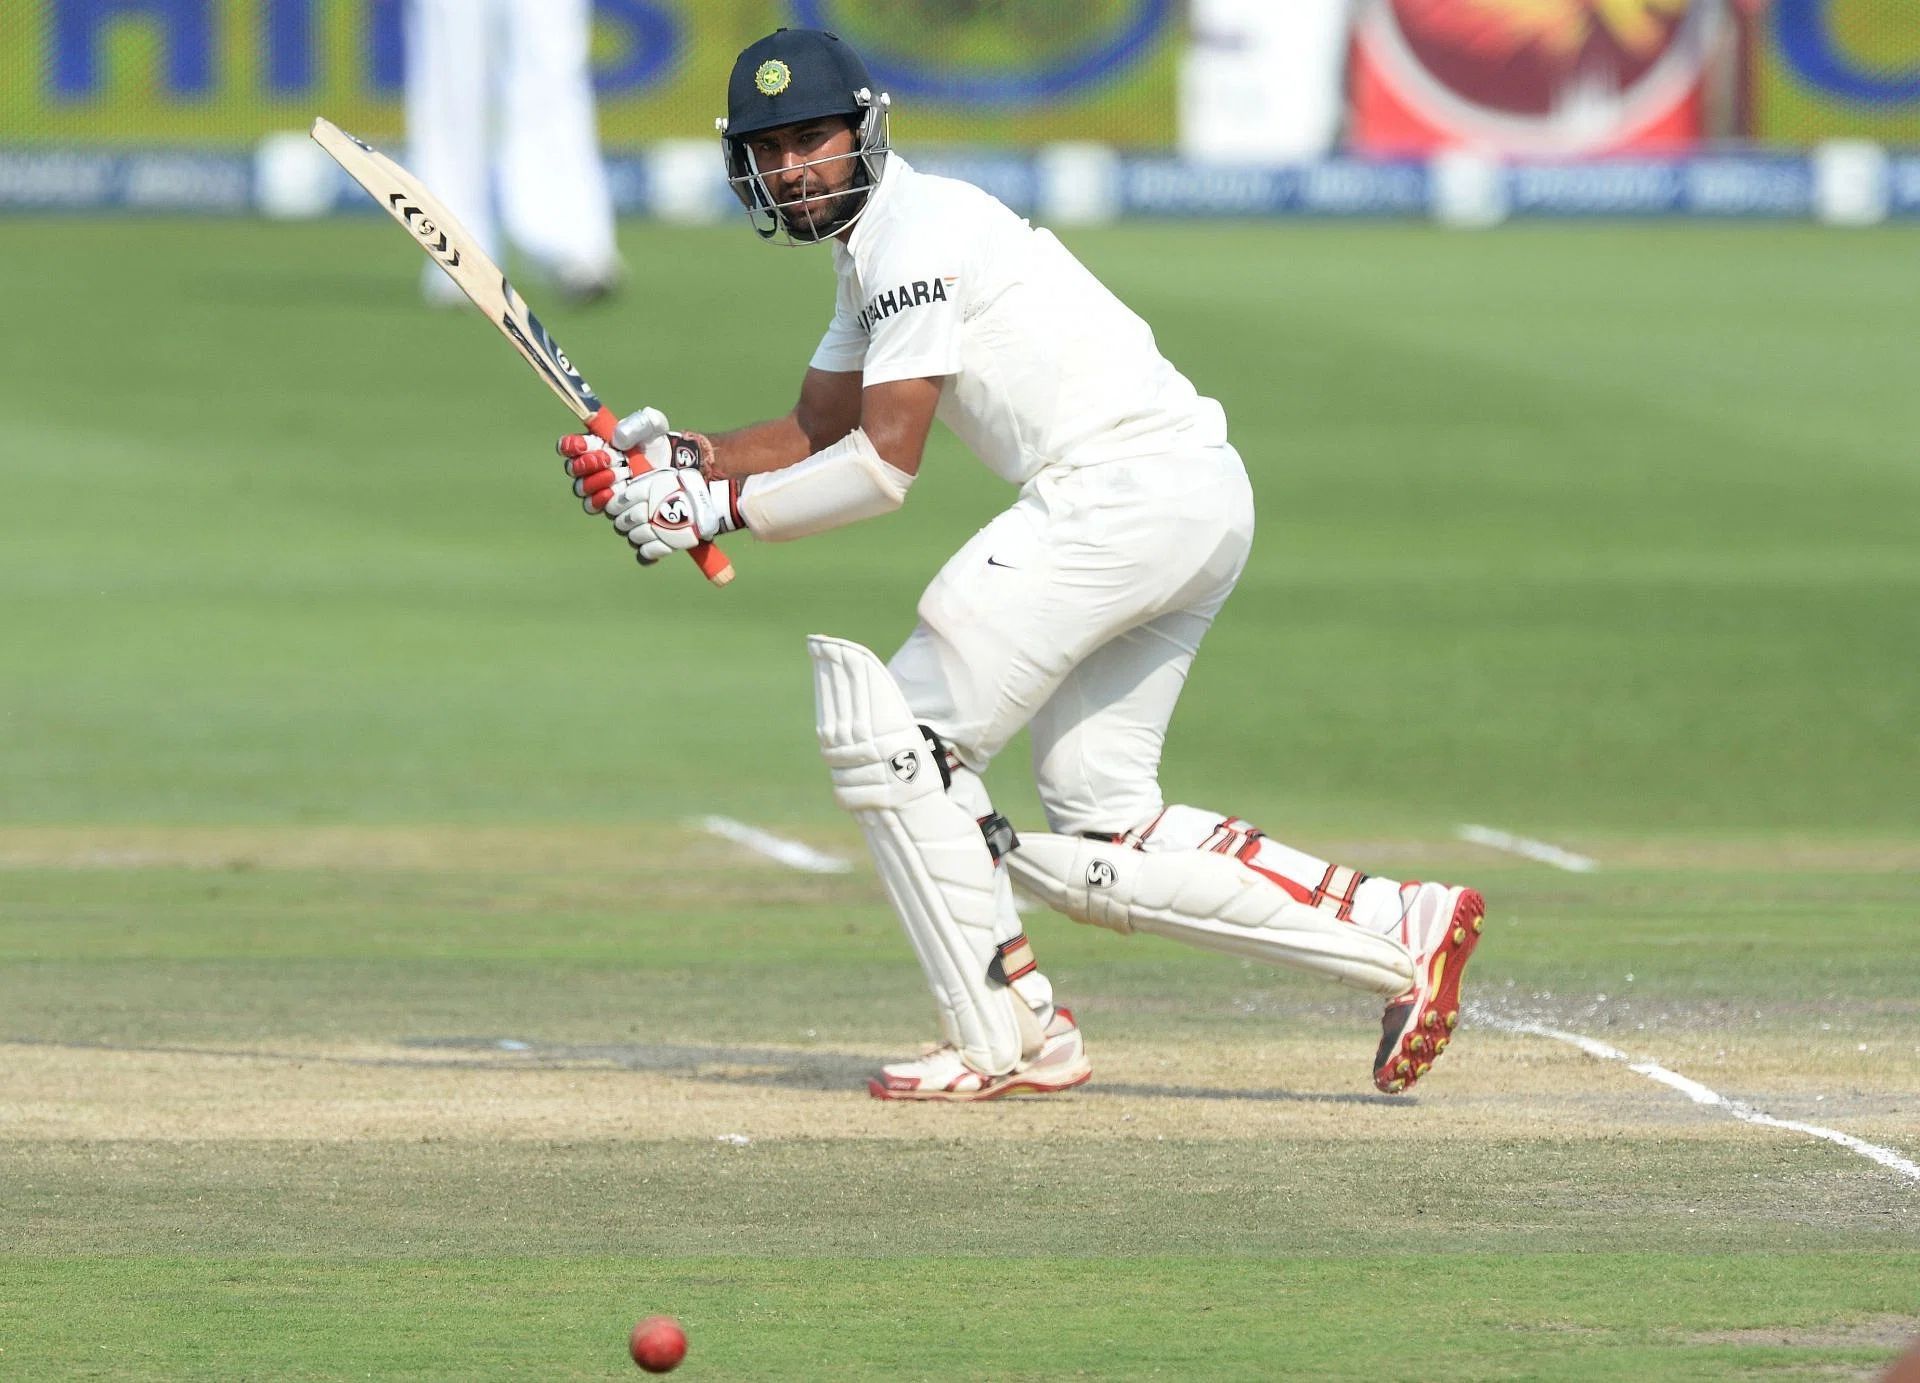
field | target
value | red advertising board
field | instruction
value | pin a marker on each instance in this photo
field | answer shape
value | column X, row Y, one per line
column 1539, row 78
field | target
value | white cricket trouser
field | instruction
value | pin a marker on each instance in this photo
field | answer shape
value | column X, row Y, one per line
column 500, row 125
column 1078, row 612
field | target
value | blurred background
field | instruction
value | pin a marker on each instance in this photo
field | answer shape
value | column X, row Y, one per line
column 1470, row 110
column 1629, row 478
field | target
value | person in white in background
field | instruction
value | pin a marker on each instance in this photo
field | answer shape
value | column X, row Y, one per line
column 1263, row 81
column 501, row 125
column 1076, row 613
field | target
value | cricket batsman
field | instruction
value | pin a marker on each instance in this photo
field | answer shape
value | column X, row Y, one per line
column 1075, row 613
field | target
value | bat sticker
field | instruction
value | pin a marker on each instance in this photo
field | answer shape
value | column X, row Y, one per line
column 424, row 230
column 553, row 363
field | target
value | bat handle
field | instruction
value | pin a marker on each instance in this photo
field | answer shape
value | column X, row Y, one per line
column 711, row 560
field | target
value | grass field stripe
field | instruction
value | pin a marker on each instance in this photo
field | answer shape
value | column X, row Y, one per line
column 1699, row 1093
column 1532, row 849
column 791, row 853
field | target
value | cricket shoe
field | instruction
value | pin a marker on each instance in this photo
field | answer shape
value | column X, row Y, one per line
column 1439, row 926
column 940, row 1074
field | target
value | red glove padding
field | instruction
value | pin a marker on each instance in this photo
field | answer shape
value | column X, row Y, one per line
column 597, row 468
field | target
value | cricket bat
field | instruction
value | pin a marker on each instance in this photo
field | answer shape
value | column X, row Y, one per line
column 449, row 246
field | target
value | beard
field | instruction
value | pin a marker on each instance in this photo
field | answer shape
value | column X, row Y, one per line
column 817, row 214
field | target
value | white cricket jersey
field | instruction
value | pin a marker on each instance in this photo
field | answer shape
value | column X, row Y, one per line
column 1043, row 365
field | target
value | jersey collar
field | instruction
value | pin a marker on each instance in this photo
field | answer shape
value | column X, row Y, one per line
column 890, row 176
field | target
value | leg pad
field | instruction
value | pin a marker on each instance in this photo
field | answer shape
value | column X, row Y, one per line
column 1207, row 900
column 929, row 852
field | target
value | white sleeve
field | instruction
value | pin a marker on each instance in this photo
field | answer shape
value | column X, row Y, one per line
column 913, row 309
column 837, row 485
column 843, row 350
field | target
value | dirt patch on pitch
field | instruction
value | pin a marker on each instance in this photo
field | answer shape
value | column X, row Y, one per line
column 1878, row 1332
column 1491, row 1086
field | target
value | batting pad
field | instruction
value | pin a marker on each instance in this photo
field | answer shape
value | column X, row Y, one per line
column 928, row 851
column 1206, row 900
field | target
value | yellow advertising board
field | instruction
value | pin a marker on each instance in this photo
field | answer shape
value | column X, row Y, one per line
column 227, row 71
column 1826, row 69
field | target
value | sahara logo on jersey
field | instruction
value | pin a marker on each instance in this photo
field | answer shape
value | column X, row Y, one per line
column 883, row 305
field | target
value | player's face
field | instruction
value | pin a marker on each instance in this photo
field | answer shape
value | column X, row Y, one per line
column 809, row 168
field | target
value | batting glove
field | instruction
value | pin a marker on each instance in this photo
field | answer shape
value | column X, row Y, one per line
column 673, row 510
column 596, row 470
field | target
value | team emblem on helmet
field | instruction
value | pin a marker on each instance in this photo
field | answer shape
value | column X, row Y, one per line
column 773, row 77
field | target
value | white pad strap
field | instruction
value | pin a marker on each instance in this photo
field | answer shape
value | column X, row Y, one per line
column 928, row 851
column 837, row 485
column 1205, row 900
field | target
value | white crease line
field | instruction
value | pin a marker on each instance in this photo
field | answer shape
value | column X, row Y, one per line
column 1532, row 849
column 1699, row 1093
column 791, row 853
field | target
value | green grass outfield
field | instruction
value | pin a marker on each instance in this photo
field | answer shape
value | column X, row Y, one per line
column 337, row 747
column 1582, row 529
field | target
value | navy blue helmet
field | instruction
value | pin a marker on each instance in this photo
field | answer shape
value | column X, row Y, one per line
column 791, row 76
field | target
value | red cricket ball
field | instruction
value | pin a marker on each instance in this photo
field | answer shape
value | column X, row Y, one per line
column 658, row 1344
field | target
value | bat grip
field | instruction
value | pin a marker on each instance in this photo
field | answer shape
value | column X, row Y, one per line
column 711, row 560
